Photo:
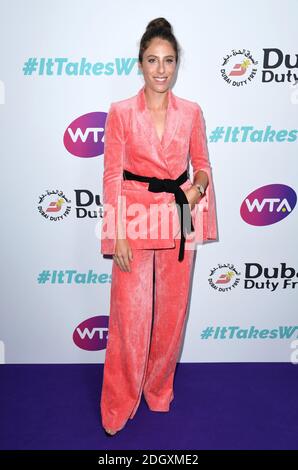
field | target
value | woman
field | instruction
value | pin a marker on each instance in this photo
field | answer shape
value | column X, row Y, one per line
column 147, row 141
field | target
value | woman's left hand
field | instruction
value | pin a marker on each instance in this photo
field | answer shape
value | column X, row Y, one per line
column 192, row 195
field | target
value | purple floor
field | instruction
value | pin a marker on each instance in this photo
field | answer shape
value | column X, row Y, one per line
column 216, row 406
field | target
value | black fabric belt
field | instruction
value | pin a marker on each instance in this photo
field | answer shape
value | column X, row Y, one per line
column 158, row 185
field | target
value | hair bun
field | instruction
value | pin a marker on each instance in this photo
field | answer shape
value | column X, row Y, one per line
column 159, row 23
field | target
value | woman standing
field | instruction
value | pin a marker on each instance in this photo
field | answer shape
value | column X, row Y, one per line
column 148, row 138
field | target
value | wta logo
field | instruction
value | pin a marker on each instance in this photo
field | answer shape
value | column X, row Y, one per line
column 84, row 137
column 268, row 204
column 91, row 334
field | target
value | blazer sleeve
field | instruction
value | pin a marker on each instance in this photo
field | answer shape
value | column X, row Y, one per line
column 199, row 159
column 114, row 146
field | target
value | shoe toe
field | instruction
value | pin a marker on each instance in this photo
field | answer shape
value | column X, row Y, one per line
column 109, row 432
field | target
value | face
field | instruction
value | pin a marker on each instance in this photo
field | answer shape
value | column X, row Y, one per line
column 159, row 64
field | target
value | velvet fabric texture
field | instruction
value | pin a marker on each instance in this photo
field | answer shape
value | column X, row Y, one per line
column 145, row 336
column 132, row 143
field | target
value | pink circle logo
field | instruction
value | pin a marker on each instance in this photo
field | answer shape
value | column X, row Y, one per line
column 268, row 205
column 84, row 137
column 91, row 334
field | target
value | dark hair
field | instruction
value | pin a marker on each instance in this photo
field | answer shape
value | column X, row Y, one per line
column 161, row 28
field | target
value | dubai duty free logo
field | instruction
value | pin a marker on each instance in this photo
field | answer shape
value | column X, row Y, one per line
column 268, row 204
column 224, row 277
column 238, row 68
column 54, row 205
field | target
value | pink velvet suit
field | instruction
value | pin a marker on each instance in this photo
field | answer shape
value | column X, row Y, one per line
column 147, row 319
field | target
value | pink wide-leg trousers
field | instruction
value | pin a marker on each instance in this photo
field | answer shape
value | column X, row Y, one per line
column 145, row 331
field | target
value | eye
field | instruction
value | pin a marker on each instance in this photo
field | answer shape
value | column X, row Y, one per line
column 168, row 60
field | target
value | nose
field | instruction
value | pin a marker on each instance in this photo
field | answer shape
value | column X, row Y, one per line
column 161, row 68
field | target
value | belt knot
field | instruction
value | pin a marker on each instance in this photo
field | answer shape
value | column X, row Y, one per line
column 158, row 185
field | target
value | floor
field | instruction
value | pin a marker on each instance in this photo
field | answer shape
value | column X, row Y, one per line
column 216, row 406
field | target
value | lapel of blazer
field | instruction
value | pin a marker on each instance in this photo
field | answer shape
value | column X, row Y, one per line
column 145, row 119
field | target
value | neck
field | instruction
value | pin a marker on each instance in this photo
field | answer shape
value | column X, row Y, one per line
column 156, row 101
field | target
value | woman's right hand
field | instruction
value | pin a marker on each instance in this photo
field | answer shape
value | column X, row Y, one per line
column 123, row 254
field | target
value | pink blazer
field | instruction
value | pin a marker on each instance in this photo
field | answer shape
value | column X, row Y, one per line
column 131, row 142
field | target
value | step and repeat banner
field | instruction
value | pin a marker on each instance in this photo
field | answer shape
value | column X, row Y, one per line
column 62, row 64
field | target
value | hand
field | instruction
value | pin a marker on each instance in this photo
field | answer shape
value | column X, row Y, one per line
column 123, row 254
column 193, row 196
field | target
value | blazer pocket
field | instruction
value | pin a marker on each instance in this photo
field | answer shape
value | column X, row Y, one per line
column 132, row 185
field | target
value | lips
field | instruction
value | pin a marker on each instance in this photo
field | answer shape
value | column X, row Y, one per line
column 160, row 79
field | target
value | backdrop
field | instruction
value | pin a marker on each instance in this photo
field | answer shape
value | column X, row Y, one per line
column 62, row 64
